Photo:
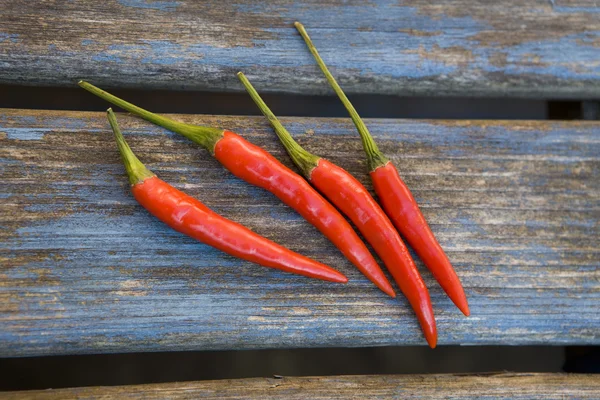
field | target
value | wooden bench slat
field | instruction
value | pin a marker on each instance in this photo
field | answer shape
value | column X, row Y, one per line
column 84, row 269
column 536, row 48
column 501, row 385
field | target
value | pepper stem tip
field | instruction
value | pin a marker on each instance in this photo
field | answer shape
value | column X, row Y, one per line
column 375, row 158
column 205, row 136
column 302, row 158
column 136, row 171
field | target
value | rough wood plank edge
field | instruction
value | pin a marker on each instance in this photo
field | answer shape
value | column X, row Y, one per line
column 536, row 48
column 84, row 269
column 484, row 386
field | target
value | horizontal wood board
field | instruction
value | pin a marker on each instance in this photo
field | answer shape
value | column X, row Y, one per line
column 491, row 386
column 534, row 48
column 84, row 269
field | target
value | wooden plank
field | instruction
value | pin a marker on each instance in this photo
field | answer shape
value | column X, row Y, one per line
column 87, row 270
column 535, row 48
column 487, row 386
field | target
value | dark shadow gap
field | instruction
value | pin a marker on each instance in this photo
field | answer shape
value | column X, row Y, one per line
column 139, row 368
column 564, row 110
column 369, row 106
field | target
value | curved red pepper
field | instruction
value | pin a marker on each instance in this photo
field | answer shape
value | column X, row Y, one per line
column 403, row 210
column 258, row 167
column 189, row 216
column 354, row 200
column 397, row 200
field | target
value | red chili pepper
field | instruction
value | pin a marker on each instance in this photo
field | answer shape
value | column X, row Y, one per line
column 354, row 200
column 189, row 216
column 397, row 200
column 258, row 167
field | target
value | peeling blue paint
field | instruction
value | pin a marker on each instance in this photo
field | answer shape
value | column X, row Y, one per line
column 588, row 38
column 24, row 120
column 163, row 52
column 67, row 124
column 554, row 57
column 63, row 124
column 585, row 223
column 383, row 14
column 103, row 57
column 37, row 133
column 150, row 4
column 566, row 9
column 87, row 42
column 25, row 133
column 467, row 221
column 12, row 37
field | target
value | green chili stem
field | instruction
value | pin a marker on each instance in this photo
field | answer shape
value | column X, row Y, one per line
column 375, row 158
column 136, row 171
column 205, row 136
column 302, row 158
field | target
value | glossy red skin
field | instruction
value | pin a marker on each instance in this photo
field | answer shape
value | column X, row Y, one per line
column 354, row 200
column 259, row 168
column 403, row 210
column 189, row 216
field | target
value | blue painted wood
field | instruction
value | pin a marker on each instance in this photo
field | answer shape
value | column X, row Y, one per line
column 534, row 48
column 84, row 269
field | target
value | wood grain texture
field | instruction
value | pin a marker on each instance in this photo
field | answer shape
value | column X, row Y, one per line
column 491, row 386
column 84, row 269
column 534, row 48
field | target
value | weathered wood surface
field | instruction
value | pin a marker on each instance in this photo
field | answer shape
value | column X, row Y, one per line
column 491, row 386
column 84, row 269
column 534, row 48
